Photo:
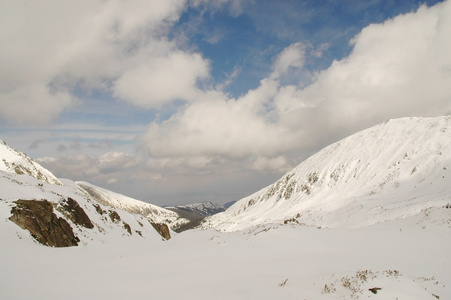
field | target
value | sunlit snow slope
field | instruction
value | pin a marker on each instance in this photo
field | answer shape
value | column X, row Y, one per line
column 50, row 210
column 390, row 171
column 17, row 162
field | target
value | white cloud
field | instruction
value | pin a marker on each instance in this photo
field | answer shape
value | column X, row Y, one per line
column 291, row 57
column 162, row 80
column 113, row 162
column 217, row 126
column 398, row 68
column 104, row 167
column 28, row 103
column 275, row 164
column 395, row 69
column 51, row 48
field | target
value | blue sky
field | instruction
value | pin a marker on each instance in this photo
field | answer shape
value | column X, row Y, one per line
column 177, row 101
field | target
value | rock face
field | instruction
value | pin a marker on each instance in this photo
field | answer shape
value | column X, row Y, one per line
column 162, row 229
column 38, row 218
column 75, row 213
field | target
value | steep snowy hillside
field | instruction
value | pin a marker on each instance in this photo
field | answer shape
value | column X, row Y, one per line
column 59, row 213
column 390, row 171
column 112, row 199
column 19, row 163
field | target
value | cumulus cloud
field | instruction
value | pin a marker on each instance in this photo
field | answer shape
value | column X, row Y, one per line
column 291, row 57
column 273, row 164
column 218, row 126
column 84, row 167
column 162, row 80
column 401, row 67
column 397, row 68
column 51, row 50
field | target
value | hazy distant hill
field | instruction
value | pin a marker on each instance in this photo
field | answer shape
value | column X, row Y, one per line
column 196, row 213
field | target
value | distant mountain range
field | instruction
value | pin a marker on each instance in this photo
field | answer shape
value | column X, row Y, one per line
column 195, row 213
column 391, row 171
column 202, row 209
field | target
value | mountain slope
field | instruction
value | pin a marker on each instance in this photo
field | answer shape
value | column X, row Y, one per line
column 195, row 213
column 61, row 213
column 112, row 199
column 390, row 171
column 19, row 163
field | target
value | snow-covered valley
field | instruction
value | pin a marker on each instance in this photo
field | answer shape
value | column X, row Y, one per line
column 366, row 218
column 405, row 259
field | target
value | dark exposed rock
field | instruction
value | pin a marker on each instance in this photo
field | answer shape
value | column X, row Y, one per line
column 99, row 210
column 162, row 229
column 72, row 210
column 114, row 216
column 38, row 218
column 127, row 227
column 188, row 226
column 374, row 290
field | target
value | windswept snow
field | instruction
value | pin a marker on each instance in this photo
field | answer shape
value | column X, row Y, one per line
column 390, row 171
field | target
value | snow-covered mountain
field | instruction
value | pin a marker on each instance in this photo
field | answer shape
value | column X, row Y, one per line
column 115, row 200
column 394, row 177
column 19, row 163
column 390, row 171
column 202, row 209
column 195, row 213
column 65, row 213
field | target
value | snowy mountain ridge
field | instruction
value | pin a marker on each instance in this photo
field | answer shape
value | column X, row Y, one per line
column 390, row 171
column 19, row 163
column 61, row 213
column 131, row 205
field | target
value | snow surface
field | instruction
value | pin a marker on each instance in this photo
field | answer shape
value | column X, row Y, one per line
column 112, row 199
column 390, row 171
column 397, row 239
column 252, row 264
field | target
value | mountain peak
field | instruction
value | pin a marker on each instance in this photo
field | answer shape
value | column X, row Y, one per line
column 14, row 161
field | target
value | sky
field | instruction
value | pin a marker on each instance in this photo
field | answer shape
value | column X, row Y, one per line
column 183, row 101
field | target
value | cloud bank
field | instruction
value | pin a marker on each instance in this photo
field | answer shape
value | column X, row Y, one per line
column 399, row 68
column 57, row 53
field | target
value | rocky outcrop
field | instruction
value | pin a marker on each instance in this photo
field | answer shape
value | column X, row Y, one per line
column 162, row 229
column 72, row 210
column 38, row 218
